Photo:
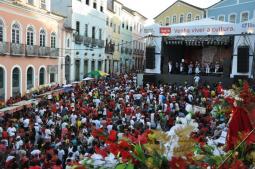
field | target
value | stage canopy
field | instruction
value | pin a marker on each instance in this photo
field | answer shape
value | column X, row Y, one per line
column 207, row 26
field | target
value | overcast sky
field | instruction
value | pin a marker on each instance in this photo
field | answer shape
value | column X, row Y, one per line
column 151, row 8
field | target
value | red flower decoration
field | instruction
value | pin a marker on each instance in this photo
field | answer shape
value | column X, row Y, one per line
column 178, row 162
column 126, row 156
column 101, row 152
column 113, row 148
column 124, row 145
column 112, row 135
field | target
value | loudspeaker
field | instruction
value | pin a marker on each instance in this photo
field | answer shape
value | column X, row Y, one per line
column 243, row 59
column 150, row 57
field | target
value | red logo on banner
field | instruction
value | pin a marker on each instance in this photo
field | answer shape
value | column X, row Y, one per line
column 165, row 30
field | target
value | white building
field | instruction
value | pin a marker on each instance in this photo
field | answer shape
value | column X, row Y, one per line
column 86, row 22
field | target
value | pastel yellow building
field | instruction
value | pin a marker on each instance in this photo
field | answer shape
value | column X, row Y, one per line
column 179, row 12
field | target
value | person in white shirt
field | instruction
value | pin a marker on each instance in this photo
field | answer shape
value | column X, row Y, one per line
column 19, row 143
column 11, row 131
column 170, row 67
column 73, row 119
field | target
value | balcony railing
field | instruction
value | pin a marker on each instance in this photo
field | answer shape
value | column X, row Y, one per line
column 54, row 52
column 44, row 51
column 94, row 42
column 17, row 49
column 87, row 41
column 4, row 48
column 31, row 50
column 78, row 39
column 100, row 43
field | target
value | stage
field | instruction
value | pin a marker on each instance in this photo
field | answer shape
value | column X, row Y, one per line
column 180, row 79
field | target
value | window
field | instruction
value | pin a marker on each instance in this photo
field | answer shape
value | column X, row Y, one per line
column 52, row 77
column 114, row 27
column 95, row 5
column 42, row 76
column 30, row 78
column 232, row 18
column 189, row 16
column 68, row 43
column 244, row 16
column 1, row 31
column 15, row 82
column 86, row 30
column 31, row 2
column 99, row 65
column 123, row 25
column 15, row 33
column 221, row 18
column 42, row 38
column 101, row 8
column 174, row 19
column 53, row 40
column 181, row 18
column 77, row 28
column 43, row 4
column 107, row 21
column 100, row 34
column 92, row 65
column 2, row 87
column 87, row 2
column 30, row 36
column 167, row 21
column 197, row 18
column 93, row 32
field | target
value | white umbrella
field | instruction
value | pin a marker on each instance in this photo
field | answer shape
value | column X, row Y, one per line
column 68, row 85
column 88, row 78
column 75, row 82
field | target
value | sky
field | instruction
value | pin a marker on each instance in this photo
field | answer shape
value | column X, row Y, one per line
column 151, row 8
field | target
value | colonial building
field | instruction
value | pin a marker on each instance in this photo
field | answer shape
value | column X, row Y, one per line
column 30, row 38
column 138, row 41
column 113, row 24
column 234, row 11
column 179, row 12
column 86, row 20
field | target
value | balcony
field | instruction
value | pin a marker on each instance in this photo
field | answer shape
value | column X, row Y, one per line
column 31, row 50
column 44, row 51
column 54, row 52
column 109, row 48
column 4, row 48
column 87, row 41
column 17, row 49
column 100, row 43
column 78, row 39
column 94, row 42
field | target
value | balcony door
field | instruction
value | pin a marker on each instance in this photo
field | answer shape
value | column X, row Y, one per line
column 77, row 70
column 67, row 69
column 16, row 82
column 2, row 84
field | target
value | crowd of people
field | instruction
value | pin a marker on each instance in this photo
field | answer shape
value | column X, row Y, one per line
column 195, row 68
column 58, row 131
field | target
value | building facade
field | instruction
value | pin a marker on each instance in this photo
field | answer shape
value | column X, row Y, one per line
column 112, row 48
column 138, row 41
column 234, row 11
column 86, row 22
column 179, row 12
column 30, row 42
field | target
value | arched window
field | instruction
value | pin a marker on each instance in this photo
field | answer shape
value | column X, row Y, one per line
column 42, row 76
column 244, row 16
column 15, row 33
column 30, row 36
column 1, row 31
column 42, row 38
column 232, row 18
column 15, row 82
column 30, row 78
column 53, row 40
column 167, row 21
column 197, row 17
column 2, row 84
column 189, row 16
column 181, row 18
column 174, row 19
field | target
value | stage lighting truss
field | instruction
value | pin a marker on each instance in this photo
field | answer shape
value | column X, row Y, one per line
column 199, row 40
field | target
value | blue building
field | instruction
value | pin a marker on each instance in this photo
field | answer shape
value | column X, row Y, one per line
column 234, row 11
